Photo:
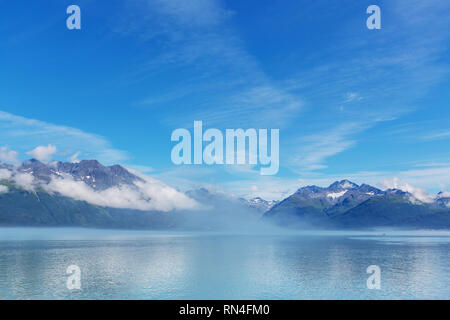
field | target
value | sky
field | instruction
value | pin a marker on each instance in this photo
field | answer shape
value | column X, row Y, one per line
column 371, row 106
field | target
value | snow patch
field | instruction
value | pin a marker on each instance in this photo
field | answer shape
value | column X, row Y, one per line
column 335, row 195
column 346, row 185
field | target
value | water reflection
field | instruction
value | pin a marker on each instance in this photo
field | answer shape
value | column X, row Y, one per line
column 225, row 267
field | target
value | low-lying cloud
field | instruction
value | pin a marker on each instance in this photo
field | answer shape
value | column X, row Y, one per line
column 5, row 174
column 3, row 189
column 23, row 180
column 418, row 193
column 148, row 195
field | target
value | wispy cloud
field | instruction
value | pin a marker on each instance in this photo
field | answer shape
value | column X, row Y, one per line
column 437, row 136
column 383, row 78
column 352, row 96
column 26, row 134
column 313, row 150
column 227, row 82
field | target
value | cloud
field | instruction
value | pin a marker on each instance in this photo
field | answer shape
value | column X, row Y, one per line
column 314, row 149
column 5, row 174
column 200, row 39
column 437, row 136
column 390, row 72
column 266, row 187
column 74, row 158
column 418, row 193
column 25, row 133
column 351, row 96
column 24, row 180
column 3, row 189
column 255, row 106
column 148, row 195
column 8, row 155
column 42, row 153
column 139, row 168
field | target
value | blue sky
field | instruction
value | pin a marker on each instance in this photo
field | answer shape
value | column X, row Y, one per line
column 368, row 105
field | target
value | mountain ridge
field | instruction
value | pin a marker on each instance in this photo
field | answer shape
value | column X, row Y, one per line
column 70, row 193
column 344, row 204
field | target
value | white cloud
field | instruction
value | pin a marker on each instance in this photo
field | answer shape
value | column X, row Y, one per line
column 445, row 194
column 351, row 96
column 74, row 158
column 3, row 189
column 5, row 174
column 148, row 195
column 43, row 153
column 24, row 180
column 418, row 193
column 8, row 155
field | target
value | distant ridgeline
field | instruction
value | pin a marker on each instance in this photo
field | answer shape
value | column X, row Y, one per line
column 344, row 204
column 88, row 194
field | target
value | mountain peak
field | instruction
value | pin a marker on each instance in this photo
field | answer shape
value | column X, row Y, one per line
column 92, row 172
column 342, row 185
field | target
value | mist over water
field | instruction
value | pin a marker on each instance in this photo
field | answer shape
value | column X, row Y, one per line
column 118, row 264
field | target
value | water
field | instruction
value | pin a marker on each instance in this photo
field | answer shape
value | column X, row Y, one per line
column 158, row 265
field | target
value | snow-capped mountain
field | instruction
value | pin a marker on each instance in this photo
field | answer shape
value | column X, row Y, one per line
column 89, row 181
column 90, row 194
column 91, row 172
column 346, row 204
column 260, row 204
column 443, row 199
column 340, row 194
column 221, row 200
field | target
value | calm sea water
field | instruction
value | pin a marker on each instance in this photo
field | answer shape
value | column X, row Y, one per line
column 157, row 265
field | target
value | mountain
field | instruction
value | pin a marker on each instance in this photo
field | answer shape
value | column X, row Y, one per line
column 88, row 194
column 259, row 204
column 443, row 200
column 91, row 172
column 314, row 203
column 344, row 204
column 221, row 201
column 67, row 194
